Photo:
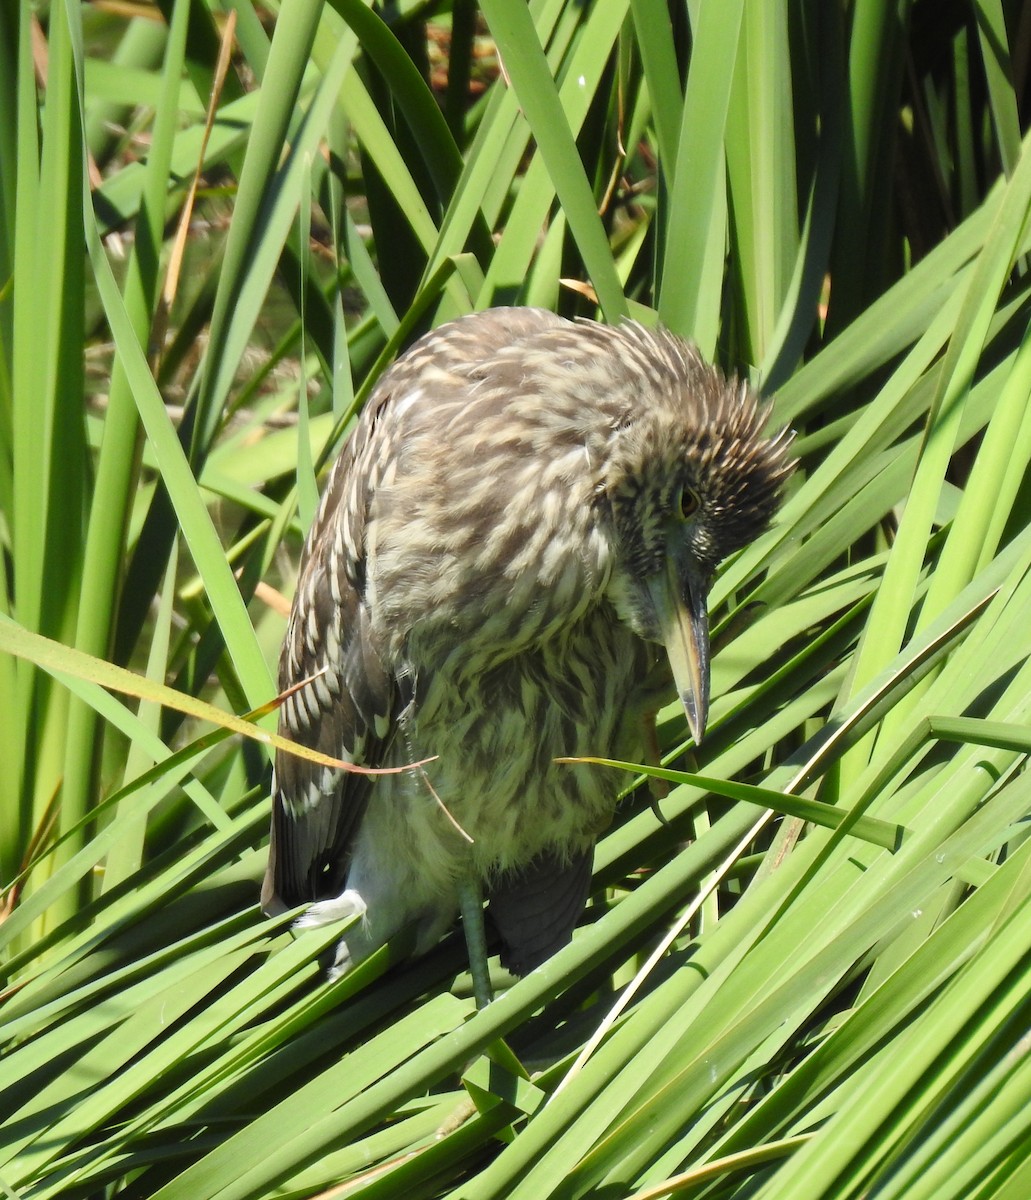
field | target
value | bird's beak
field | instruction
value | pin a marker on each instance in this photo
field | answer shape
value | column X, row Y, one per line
column 679, row 600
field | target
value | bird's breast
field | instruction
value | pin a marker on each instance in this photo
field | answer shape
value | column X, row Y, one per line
column 495, row 734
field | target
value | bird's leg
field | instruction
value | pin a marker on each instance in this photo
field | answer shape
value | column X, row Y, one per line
column 470, row 903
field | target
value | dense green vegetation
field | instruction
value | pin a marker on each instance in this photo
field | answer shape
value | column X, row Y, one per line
column 828, row 996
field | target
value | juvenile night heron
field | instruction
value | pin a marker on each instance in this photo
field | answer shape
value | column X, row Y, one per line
column 510, row 564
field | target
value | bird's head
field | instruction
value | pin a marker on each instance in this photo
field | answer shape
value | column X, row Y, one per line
column 689, row 478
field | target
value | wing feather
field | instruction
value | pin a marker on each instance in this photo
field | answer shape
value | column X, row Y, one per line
column 348, row 710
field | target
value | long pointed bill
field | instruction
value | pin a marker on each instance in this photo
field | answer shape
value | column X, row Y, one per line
column 684, row 629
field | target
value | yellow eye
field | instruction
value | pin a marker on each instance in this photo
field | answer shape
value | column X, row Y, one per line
column 686, row 503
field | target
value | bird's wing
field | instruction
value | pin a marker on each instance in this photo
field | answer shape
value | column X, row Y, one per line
column 536, row 907
column 348, row 711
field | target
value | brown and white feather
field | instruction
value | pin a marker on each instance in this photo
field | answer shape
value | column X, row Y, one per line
column 461, row 591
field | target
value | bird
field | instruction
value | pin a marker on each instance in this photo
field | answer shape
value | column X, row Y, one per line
column 509, row 565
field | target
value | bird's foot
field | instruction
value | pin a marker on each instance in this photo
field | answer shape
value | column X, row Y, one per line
column 328, row 912
column 342, row 961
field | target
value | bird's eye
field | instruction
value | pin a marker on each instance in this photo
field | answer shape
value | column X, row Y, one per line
column 686, row 503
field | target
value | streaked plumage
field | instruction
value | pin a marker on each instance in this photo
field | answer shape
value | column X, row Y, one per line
column 488, row 581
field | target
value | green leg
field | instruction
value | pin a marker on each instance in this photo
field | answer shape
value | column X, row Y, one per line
column 470, row 903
